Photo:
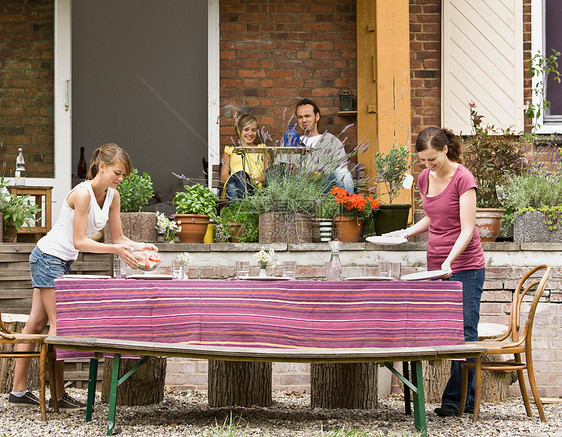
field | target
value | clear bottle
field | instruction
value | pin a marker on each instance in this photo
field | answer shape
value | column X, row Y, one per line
column 333, row 267
column 82, row 167
column 19, row 175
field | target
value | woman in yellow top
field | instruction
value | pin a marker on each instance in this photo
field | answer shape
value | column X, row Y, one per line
column 242, row 172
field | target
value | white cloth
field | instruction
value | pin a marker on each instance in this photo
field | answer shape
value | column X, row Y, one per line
column 59, row 240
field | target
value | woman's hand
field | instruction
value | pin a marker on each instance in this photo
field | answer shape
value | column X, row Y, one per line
column 145, row 246
column 125, row 252
column 447, row 268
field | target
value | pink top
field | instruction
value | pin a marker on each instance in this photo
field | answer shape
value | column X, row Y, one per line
column 443, row 211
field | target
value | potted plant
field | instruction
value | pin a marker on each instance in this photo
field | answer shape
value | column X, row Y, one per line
column 391, row 169
column 16, row 212
column 492, row 156
column 286, row 206
column 533, row 202
column 194, row 208
column 237, row 223
column 135, row 191
column 353, row 210
column 325, row 213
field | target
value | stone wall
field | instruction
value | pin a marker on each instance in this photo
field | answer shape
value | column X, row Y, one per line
column 505, row 265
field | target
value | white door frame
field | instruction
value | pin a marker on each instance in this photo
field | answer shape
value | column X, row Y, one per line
column 63, row 106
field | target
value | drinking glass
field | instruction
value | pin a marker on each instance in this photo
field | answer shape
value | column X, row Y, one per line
column 390, row 270
column 290, row 269
column 177, row 269
column 242, row 269
column 118, row 268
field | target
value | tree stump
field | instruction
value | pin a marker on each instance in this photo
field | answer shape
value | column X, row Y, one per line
column 239, row 383
column 495, row 385
column 144, row 387
column 350, row 385
column 15, row 323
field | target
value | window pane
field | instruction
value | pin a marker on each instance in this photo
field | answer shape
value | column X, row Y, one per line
column 553, row 14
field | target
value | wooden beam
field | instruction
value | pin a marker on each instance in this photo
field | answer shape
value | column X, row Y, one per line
column 383, row 80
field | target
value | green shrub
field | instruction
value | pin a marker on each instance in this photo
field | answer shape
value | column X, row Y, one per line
column 135, row 191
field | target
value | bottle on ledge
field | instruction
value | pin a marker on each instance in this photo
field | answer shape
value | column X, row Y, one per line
column 19, row 175
column 82, row 167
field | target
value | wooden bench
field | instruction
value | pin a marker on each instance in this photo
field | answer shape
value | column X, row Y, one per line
column 146, row 350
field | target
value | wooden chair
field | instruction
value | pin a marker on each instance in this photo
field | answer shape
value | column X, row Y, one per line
column 515, row 341
column 9, row 337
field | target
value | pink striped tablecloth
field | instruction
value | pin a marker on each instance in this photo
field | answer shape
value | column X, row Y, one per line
column 296, row 314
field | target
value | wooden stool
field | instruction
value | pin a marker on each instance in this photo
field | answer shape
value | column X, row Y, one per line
column 43, row 198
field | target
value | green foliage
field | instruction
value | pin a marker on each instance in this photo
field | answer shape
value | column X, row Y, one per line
column 391, row 168
column 290, row 192
column 17, row 210
column 240, row 213
column 196, row 199
column 231, row 427
column 493, row 159
column 327, row 208
column 135, row 191
column 537, row 190
column 542, row 67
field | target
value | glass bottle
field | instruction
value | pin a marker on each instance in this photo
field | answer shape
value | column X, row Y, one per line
column 19, row 175
column 333, row 267
column 82, row 167
column 291, row 138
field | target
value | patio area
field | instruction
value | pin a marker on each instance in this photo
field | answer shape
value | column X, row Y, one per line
column 185, row 413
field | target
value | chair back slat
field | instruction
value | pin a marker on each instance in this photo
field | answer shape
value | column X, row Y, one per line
column 518, row 334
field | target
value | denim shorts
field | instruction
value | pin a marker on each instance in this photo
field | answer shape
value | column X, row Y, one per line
column 46, row 268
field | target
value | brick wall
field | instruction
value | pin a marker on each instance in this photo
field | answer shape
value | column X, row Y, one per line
column 300, row 49
column 26, row 84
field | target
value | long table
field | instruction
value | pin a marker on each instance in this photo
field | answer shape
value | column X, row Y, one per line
column 309, row 321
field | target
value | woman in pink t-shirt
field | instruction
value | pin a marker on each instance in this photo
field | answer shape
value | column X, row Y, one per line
column 449, row 201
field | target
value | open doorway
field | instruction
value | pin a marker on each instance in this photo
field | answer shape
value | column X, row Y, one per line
column 140, row 79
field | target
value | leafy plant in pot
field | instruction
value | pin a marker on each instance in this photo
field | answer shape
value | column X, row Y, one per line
column 533, row 202
column 493, row 157
column 392, row 169
column 195, row 207
column 17, row 211
column 354, row 209
column 135, row 191
column 237, row 223
column 325, row 213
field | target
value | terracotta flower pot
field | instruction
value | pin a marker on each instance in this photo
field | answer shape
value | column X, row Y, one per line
column 488, row 223
column 348, row 229
column 193, row 227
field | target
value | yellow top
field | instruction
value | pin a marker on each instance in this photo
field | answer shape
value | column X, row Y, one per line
column 251, row 163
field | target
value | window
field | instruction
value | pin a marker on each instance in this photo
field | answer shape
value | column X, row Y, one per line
column 547, row 35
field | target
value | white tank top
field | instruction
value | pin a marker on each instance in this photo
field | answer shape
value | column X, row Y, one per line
column 59, row 240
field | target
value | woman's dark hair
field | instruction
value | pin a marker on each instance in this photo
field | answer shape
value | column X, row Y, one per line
column 246, row 120
column 439, row 138
column 109, row 154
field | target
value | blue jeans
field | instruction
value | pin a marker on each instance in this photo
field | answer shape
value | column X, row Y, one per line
column 472, row 284
column 45, row 268
column 340, row 178
column 238, row 186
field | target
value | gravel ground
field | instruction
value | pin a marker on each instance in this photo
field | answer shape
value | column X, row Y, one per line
column 186, row 414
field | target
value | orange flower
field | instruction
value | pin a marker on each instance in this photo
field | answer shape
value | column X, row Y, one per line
column 354, row 204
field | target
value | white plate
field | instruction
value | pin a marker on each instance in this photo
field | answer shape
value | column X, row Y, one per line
column 149, row 276
column 86, row 277
column 386, row 241
column 420, row 276
column 264, row 278
column 369, row 278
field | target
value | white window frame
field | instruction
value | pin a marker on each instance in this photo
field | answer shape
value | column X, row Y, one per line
column 538, row 40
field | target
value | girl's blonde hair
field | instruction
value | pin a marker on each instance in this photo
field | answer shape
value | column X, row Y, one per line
column 244, row 121
column 109, row 154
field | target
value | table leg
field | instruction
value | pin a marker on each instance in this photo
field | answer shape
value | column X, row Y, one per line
column 113, row 394
column 419, row 400
column 407, row 398
column 92, row 380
